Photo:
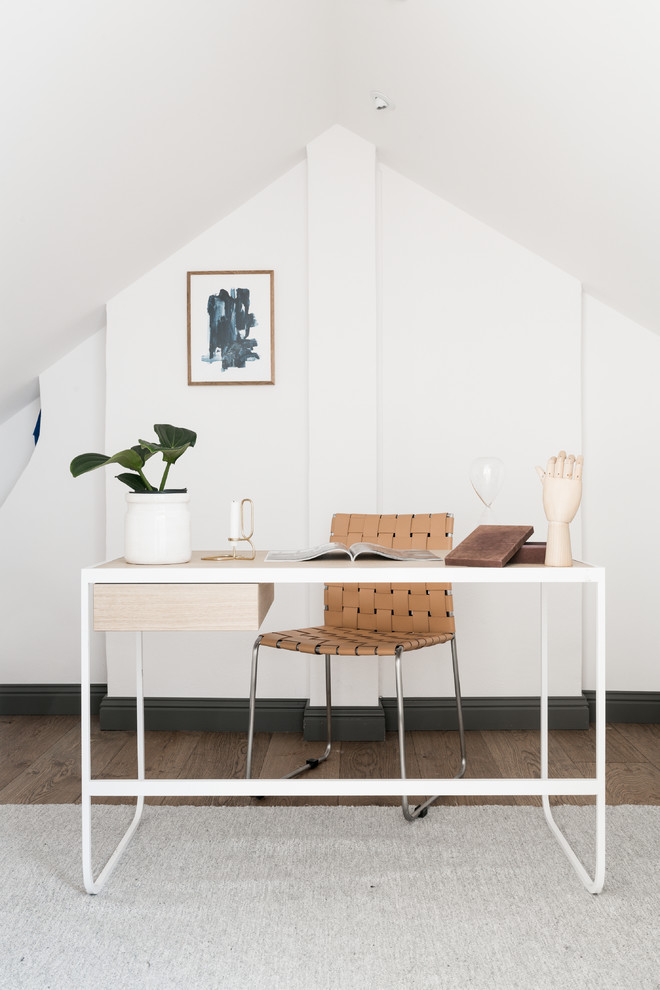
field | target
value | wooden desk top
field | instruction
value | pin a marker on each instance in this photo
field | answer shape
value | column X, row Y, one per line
column 337, row 570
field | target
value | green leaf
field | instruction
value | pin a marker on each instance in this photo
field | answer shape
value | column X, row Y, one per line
column 174, row 436
column 170, row 454
column 174, row 441
column 142, row 452
column 87, row 462
column 133, row 458
column 134, row 481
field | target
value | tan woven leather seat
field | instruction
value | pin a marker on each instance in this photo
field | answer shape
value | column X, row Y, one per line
column 377, row 619
column 347, row 642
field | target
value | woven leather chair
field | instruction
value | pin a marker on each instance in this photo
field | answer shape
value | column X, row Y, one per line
column 376, row 619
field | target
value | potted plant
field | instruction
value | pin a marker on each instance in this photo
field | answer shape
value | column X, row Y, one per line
column 157, row 526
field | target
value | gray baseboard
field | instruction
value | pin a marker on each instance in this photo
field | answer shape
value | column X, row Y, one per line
column 627, row 706
column 205, row 714
column 355, row 723
column 231, row 715
column 348, row 722
column 47, row 699
column 488, row 713
column 296, row 715
column 440, row 713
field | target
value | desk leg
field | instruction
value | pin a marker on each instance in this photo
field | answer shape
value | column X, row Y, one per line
column 94, row 886
column 596, row 885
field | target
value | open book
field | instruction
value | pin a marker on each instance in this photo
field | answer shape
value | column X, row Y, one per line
column 355, row 550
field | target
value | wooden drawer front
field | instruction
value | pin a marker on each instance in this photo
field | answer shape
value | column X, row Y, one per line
column 180, row 607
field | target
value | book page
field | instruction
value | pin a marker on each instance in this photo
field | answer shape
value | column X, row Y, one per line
column 323, row 550
column 364, row 549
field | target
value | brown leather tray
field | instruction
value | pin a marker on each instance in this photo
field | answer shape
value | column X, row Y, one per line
column 529, row 553
column 489, row 546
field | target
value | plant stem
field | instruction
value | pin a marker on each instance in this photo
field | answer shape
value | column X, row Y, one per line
column 165, row 474
column 149, row 487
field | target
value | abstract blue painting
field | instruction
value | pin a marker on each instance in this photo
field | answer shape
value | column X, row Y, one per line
column 230, row 328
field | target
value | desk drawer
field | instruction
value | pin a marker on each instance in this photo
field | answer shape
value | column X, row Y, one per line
column 180, row 607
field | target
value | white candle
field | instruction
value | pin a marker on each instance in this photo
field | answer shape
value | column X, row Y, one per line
column 235, row 520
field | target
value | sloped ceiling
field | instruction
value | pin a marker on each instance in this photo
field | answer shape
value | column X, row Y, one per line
column 130, row 126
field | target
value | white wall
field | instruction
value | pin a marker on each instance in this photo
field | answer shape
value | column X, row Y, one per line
column 343, row 384
column 497, row 373
column 621, row 484
column 51, row 525
column 480, row 357
column 410, row 339
column 17, row 445
column 252, row 440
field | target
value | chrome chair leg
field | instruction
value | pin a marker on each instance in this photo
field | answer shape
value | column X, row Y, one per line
column 312, row 762
column 253, row 698
column 407, row 814
column 422, row 809
column 459, row 708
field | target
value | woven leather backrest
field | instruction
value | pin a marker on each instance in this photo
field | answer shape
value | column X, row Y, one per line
column 422, row 608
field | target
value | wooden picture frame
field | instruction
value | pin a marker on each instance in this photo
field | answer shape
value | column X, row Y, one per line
column 231, row 328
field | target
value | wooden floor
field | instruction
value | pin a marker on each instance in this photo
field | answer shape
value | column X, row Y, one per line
column 41, row 760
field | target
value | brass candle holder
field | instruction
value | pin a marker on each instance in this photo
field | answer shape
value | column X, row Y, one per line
column 235, row 553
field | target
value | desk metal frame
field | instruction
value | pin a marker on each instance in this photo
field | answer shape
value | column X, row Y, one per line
column 337, row 571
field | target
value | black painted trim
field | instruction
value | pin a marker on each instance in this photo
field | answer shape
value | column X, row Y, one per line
column 47, row 699
column 296, row 715
column 205, row 714
column 348, row 722
column 488, row 713
column 353, row 723
column 627, row 706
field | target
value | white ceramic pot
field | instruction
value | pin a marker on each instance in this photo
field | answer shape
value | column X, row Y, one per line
column 157, row 528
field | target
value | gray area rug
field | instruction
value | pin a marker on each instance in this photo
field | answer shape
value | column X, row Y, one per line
column 316, row 897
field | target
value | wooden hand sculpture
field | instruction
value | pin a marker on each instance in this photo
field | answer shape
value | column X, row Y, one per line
column 562, row 491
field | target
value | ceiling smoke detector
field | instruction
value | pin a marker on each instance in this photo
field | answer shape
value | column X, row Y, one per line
column 381, row 102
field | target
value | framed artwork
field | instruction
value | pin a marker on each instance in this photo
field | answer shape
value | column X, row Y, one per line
column 231, row 328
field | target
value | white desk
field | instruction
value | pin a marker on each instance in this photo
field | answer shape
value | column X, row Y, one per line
column 236, row 594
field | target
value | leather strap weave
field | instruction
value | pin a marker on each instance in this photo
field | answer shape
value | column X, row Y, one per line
column 376, row 618
column 347, row 642
column 392, row 608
